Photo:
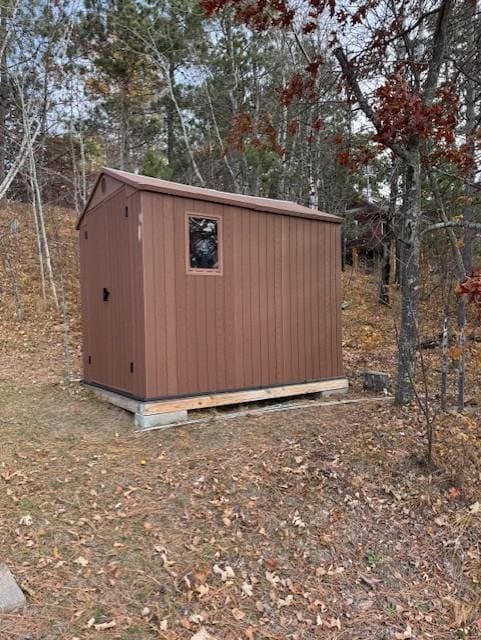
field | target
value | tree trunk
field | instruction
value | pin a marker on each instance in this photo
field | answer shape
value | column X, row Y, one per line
column 461, row 344
column 444, row 360
column 124, row 151
column 170, row 120
column 469, row 193
column 410, row 251
column 397, row 260
column 3, row 94
column 38, row 238
column 10, row 268
column 385, row 266
column 42, row 239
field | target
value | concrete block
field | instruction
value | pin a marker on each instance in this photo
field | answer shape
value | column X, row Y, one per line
column 376, row 381
column 11, row 596
column 327, row 393
column 147, row 421
column 334, row 392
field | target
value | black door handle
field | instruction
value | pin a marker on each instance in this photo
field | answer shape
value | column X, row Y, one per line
column 105, row 294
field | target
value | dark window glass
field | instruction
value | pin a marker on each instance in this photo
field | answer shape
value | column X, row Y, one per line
column 203, row 243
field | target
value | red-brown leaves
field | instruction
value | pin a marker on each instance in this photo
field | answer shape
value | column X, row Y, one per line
column 242, row 127
column 261, row 134
column 459, row 156
column 471, row 287
column 353, row 159
column 260, row 15
column 309, row 27
column 293, row 127
column 294, row 89
column 313, row 67
column 264, row 14
column 302, row 85
column 399, row 113
column 212, row 6
column 401, row 117
column 269, row 132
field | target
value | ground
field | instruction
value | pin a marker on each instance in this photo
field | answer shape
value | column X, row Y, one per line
column 320, row 522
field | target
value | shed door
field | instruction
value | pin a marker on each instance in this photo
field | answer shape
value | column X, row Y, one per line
column 109, row 329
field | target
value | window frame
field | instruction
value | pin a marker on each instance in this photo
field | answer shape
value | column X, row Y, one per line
column 196, row 271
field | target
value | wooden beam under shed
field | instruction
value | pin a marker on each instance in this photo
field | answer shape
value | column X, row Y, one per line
column 173, row 410
column 250, row 395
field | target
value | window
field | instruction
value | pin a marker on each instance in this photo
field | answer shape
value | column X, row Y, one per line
column 203, row 240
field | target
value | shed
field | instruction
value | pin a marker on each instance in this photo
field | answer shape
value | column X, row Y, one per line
column 193, row 297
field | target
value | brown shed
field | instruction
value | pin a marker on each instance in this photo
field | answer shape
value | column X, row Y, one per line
column 193, row 297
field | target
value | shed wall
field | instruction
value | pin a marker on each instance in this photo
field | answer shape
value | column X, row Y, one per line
column 271, row 318
column 111, row 185
column 111, row 257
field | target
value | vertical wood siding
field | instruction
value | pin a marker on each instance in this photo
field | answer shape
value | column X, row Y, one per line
column 111, row 257
column 272, row 317
column 111, row 185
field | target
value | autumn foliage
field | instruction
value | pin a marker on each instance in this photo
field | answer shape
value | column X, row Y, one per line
column 471, row 287
column 400, row 114
column 246, row 131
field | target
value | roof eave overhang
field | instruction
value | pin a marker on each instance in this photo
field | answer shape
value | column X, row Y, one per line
column 209, row 196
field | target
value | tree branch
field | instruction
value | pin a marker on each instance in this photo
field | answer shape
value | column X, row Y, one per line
column 450, row 224
column 301, row 46
column 348, row 73
column 439, row 48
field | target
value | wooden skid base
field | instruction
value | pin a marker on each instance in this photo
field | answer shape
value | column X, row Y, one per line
column 171, row 411
column 250, row 395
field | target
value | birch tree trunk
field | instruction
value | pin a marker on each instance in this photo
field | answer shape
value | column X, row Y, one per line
column 3, row 93
column 124, row 150
column 385, row 266
column 170, row 116
column 38, row 239
column 469, row 192
column 444, row 360
column 41, row 229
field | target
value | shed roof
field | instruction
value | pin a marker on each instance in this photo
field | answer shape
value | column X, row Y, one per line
column 145, row 183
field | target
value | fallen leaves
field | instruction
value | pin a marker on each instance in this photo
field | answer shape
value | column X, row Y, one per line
column 81, row 561
column 330, row 571
column 404, row 635
column 202, row 634
column 297, row 521
column 238, row 614
column 442, row 521
column 475, row 508
column 285, row 602
column 101, row 626
column 225, row 574
column 272, row 578
column 202, row 590
column 240, row 531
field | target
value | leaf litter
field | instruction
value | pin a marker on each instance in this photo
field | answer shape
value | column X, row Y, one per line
column 372, row 546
